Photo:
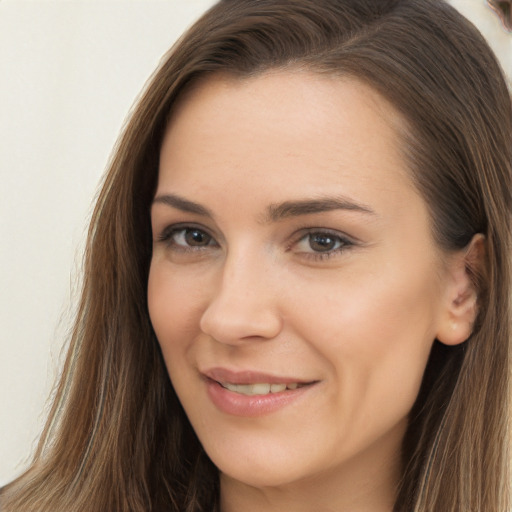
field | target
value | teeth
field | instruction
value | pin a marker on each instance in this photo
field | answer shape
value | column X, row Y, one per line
column 260, row 388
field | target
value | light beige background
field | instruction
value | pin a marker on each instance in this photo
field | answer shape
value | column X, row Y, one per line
column 69, row 72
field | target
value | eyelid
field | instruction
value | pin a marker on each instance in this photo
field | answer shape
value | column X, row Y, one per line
column 302, row 232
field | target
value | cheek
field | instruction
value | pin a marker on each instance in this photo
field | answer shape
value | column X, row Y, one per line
column 376, row 335
column 174, row 308
column 368, row 313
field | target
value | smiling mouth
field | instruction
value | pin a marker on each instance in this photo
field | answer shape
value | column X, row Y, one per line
column 261, row 388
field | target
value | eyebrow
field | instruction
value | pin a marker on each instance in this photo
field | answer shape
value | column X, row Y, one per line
column 275, row 212
column 180, row 203
column 310, row 206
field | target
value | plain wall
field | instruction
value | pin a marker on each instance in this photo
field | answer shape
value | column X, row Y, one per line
column 69, row 72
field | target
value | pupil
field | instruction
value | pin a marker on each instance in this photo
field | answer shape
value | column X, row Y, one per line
column 196, row 237
column 322, row 242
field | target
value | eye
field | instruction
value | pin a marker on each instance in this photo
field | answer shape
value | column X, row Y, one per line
column 187, row 238
column 323, row 242
column 320, row 244
column 191, row 237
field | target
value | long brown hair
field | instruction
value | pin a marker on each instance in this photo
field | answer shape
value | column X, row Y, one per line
column 117, row 438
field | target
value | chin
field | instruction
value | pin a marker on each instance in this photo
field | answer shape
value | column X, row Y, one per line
column 266, row 470
column 260, row 477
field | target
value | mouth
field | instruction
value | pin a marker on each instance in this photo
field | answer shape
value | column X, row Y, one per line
column 261, row 388
column 254, row 393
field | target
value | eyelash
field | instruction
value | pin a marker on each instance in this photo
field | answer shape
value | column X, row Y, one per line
column 343, row 243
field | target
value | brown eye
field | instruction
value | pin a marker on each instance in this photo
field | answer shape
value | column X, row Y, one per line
column 187, row 238
column 319, row 244
column 196, row 237
column 323, row 242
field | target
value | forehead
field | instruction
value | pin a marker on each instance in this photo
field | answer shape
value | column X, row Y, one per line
column 302, row 96
column 292, row 132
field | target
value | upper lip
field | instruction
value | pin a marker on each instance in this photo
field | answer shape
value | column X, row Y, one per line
column 249, row 377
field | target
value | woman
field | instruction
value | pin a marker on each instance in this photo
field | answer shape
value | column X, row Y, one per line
column 297, row 281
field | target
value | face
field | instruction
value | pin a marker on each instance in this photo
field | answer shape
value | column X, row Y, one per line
column 295, row 288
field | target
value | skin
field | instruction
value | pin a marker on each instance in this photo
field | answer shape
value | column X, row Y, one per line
column 356, row 314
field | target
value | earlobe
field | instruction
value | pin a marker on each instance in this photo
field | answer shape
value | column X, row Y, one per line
column 461, row 299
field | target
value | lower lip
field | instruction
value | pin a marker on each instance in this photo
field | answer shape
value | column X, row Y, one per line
column 237, row 404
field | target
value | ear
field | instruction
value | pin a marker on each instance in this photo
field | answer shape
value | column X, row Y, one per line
column 460, row 306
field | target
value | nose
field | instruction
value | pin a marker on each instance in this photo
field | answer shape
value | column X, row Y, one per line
column 243, row 305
